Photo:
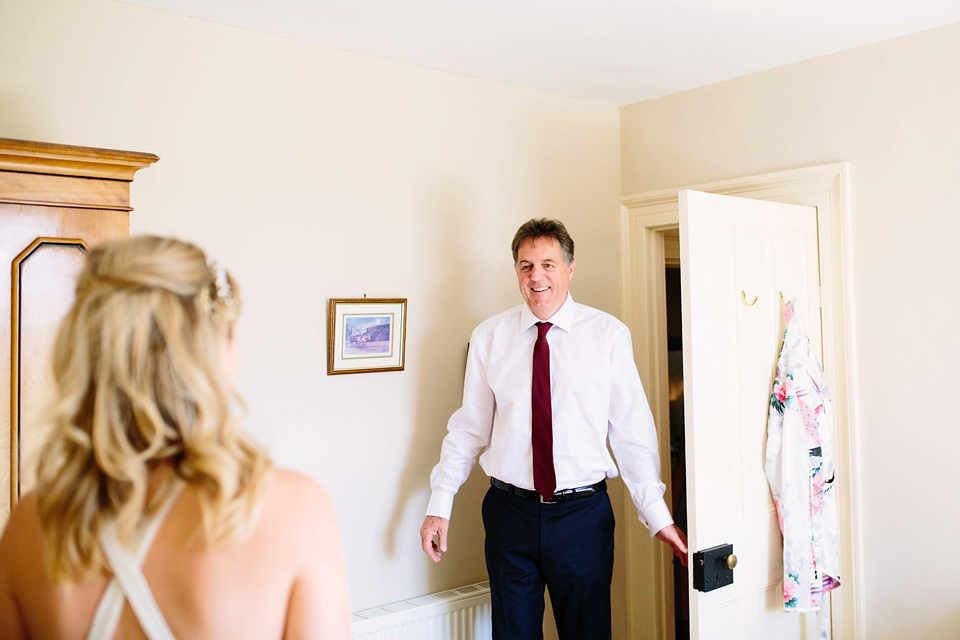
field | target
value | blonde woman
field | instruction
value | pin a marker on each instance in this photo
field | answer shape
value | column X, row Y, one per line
column 154, row 516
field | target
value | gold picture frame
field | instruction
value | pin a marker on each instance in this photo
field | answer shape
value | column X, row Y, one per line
column 366, row 335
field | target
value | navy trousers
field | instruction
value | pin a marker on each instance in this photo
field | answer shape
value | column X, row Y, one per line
column 565, row 547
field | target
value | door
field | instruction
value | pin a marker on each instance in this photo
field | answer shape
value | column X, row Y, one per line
column 738, row 257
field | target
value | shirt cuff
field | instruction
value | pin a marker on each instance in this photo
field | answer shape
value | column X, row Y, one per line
column 441, row 504
column 656, row 516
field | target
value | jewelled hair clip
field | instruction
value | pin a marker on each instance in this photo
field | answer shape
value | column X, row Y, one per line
column 220, row 281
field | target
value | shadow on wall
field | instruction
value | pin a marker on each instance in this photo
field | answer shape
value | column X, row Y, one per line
column 441, row 360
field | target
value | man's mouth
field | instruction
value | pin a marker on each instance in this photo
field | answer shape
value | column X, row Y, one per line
column 539, row 289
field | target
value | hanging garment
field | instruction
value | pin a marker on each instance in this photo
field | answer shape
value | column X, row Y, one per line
column 801, row 472
column 128, row 583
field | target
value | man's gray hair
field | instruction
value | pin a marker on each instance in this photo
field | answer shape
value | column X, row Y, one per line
column 544, row 228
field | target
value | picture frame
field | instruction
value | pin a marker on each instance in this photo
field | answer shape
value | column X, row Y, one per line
column 366, row 335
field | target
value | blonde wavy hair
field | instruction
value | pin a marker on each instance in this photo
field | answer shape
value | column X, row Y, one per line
column 140, row 386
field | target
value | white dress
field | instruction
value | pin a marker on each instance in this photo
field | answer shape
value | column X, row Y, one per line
column 128, row 584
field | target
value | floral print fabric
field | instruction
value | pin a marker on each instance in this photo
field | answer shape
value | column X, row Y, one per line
column 801, row 472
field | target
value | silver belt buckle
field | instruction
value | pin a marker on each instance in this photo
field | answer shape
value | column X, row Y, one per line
column 544, row 500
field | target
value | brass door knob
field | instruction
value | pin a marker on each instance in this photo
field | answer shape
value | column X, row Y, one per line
column 731, row 561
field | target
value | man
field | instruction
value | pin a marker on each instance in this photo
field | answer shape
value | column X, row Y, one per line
column 547, row 383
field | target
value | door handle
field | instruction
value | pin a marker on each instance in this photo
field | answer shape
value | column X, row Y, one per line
column 713, row 567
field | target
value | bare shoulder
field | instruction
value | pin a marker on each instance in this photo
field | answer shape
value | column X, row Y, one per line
column 289, row 480
column 294, row 488
column 319, row 600
column 298, row 503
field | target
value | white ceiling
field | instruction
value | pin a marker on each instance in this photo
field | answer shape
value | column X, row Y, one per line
column 611, row 51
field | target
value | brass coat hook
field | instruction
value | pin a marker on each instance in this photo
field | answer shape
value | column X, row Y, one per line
column 743, row 296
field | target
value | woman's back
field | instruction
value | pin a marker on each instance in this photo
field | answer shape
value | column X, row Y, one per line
column 144, row 364
column 279, row 581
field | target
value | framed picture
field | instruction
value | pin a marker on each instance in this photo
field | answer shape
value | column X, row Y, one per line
column 366, row 335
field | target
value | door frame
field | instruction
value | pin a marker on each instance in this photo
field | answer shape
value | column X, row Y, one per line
column 643, row 220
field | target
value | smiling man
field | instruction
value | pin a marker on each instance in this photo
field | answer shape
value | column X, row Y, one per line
column 548, row 384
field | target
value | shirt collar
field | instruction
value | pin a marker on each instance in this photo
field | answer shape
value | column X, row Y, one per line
column 563, row 317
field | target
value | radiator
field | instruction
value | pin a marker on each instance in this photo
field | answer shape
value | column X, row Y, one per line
column 458, row 614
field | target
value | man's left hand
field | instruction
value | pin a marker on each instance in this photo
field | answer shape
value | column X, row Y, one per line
column 672, row 535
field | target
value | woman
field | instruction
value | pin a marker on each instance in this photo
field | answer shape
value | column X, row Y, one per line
column 146, row 474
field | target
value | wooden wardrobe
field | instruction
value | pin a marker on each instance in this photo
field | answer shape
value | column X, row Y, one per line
column 55, row 202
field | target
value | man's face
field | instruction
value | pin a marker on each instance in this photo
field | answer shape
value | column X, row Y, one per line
column 543, row 275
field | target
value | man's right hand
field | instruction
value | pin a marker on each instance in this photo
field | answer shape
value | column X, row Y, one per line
column 434, row 527
column 673, row 536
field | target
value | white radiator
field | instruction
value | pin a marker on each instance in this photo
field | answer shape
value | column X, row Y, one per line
column 458, row 614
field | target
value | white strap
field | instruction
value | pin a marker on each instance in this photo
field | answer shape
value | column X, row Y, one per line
column 107, row 617
column 128, row 583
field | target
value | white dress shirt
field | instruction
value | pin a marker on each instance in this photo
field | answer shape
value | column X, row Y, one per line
column 596, row 394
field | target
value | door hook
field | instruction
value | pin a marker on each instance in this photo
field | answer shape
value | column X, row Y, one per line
column 743, row 296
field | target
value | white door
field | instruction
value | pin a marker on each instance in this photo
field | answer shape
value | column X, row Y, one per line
column 738, row 256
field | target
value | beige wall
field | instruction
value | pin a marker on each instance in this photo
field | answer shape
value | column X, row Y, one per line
column 890, row 110
column 314, row 173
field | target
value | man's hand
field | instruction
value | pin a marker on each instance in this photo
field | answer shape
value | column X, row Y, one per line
column 672, row 535
column 435, row 527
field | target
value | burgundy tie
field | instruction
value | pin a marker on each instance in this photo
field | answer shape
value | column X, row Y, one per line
column 544, row 476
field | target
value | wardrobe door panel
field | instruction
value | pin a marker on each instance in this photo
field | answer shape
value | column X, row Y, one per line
column 43, row 278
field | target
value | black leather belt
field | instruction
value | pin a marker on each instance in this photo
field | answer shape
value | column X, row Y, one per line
column 560, row 496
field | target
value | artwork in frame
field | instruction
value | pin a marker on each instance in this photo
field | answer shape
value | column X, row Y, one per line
column 366, row 335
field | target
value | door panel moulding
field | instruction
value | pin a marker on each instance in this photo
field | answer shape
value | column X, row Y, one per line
column 643, row 220
column 16, row 286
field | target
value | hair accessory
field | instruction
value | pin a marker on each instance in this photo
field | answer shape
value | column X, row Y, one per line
column 221, row 282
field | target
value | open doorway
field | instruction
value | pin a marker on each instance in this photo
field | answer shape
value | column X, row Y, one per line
column 678, row 472
column 648, row 221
